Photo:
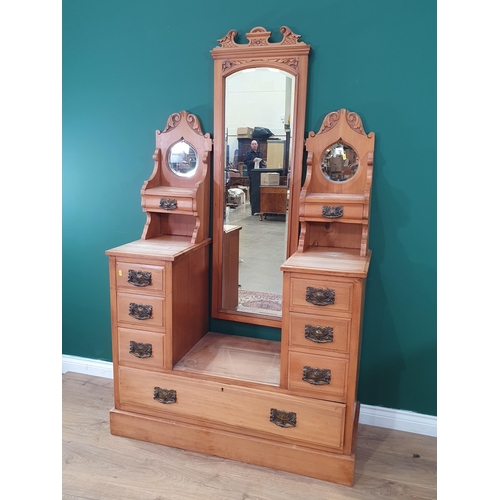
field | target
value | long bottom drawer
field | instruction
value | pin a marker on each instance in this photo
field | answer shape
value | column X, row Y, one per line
column 252, row 411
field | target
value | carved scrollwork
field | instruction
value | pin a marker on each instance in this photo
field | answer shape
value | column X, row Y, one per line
column 319, row 334
column 316, row 376
column 293, row 62
column 289, row 37
column 320, row 296
column 140, row 350
column 283, row 418
column 139, row 278
column 228, row 40
column 330, row 121
column 140, row 311
column 165, row 396
column 168, row 203
column 194, row 123
column 355, row 122
column 332, row 212
column 172, row 122
column 227, row 65
column 259, row 37
column 175, row 118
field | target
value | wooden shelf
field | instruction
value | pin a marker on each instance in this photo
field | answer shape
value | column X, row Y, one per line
column 233, row 357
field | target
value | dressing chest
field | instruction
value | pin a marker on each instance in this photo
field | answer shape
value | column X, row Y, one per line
column 290, row 404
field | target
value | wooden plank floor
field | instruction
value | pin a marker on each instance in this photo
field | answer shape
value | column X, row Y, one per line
column 99, row 466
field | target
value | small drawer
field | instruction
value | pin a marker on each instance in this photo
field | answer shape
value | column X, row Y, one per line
column 318, row 376
column 327, row 212
column 140, row 349
column 314, row 296
column 260, row 413
column 321, row 333
column 136, row 276
column 169, row 204
column 143, row 310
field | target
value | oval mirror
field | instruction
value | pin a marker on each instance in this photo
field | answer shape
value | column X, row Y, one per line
column 182, row 159
column 339, row 162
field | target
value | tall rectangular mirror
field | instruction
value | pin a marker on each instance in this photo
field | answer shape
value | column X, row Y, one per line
column 259, row 112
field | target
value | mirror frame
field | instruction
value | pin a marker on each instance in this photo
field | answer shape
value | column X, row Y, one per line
column 289, row 55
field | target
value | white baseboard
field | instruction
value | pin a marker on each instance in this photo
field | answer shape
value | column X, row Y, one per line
column 87, row 366
column 400, row 420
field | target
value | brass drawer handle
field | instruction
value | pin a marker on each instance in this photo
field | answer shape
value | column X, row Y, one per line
column 283, row 418
column 316, row 376
column 140, row 350
column 165, row 396
column 332, row 212
column 319, row 334
column 140, row 311
column 139, row 278
column 168, row 203
column 320, row 296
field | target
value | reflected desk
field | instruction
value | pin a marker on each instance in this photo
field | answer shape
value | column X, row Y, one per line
column 273, row 200
column 255, row 186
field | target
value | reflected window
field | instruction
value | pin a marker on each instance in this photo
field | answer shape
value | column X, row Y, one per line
column 182, row 159
column 339, row 162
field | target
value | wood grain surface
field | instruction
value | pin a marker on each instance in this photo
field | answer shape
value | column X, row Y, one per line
column 99, row 466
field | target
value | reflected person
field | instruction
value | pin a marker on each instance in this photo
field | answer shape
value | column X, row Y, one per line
column 252, row 156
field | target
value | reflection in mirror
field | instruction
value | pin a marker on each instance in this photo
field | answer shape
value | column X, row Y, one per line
column 258, row 118
column 182, row 159
column 339, row 162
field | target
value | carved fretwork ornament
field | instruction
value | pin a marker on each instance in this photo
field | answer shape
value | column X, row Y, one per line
column 332, row 212
column 320, row 296
column 292, row 62
column 316, row 376
column 319, row 334
column 140, row 350
column 283, row 418
column 175, row 118
column 331, row 120
column 259, row 36
column 165, row 396
column 168, row 203
column 139, row 278
column 140, row 311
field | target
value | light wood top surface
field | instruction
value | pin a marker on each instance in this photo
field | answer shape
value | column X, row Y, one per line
column 329, row 261
column 162, row 247
column 230, row 356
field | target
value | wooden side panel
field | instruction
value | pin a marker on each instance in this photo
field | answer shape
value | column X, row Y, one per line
column 189, row 297
column 352, row 377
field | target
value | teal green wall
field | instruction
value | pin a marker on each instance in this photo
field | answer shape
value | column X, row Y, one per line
column 129, row 64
